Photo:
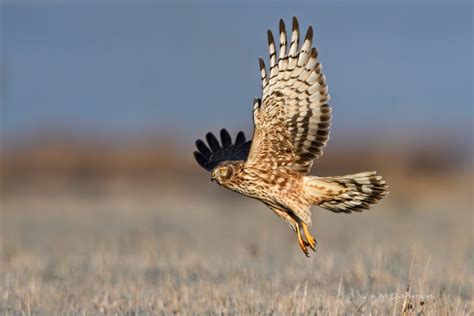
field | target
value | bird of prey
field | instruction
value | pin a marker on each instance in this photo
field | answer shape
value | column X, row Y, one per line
column 291, row 127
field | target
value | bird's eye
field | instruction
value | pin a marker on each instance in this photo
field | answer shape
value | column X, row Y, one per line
column 223, row 171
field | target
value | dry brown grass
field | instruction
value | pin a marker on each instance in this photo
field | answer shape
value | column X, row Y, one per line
column 172, row 247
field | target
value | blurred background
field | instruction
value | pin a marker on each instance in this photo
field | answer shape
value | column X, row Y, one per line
column 103, row 208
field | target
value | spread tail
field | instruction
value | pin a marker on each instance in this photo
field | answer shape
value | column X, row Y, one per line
column 350, row 193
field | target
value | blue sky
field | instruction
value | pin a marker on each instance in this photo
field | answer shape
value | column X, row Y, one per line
column 117, row 68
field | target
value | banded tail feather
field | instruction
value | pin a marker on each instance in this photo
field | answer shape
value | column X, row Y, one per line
column 346, row 194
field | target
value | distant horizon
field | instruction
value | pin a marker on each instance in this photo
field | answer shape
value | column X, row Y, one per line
column 339, row 138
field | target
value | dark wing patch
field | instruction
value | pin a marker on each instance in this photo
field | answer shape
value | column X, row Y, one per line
column 210, row 156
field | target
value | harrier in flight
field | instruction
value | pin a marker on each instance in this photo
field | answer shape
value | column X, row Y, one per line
column 291, row 127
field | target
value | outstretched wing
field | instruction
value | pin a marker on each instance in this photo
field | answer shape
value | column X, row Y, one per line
column 293, row 118
column 209, row 157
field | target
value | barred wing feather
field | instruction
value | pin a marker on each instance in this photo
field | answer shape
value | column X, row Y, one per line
column 293, row 118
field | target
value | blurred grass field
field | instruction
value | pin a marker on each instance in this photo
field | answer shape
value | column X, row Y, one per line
column 122, row 241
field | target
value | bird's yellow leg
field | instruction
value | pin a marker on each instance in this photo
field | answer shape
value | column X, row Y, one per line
column 309, row 238
column 301, row 242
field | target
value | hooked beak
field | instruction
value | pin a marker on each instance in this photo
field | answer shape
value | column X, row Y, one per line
column 213, row 176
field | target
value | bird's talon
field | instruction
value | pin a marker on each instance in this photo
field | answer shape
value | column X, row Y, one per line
column 305, row 250
column 310, row 239
column 302, row 242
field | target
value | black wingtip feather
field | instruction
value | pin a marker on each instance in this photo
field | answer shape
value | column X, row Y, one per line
column 282, row 26
column 210, row 157
column 212, row 141
column 271, row 40
column 295, row 23
column 240, row 139
column 226, row 140
column 203, row 149
column 309, row 33
column 261, row 63
column 200, row 159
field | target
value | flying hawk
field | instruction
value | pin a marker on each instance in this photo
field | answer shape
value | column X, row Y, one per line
column 291, row 127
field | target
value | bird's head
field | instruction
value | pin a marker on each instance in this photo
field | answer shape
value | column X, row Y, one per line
column 222, row 173
column 228, row 173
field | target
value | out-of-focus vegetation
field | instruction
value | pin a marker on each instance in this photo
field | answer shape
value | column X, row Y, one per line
column 138, row 228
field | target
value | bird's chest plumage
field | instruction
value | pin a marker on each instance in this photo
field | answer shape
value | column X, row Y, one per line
column 275, row 187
